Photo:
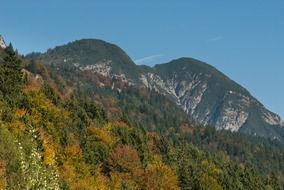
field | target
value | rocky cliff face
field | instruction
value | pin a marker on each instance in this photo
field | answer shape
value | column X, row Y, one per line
column 205, row 94
column 209, row 97
column 2, row 43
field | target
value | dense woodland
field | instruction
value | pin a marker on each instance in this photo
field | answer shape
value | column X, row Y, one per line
column 55, row 137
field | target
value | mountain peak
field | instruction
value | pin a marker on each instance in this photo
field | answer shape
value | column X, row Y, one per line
column 91, row 55
column 188, row 63
column 185, row 67
column 85, row 52
column 211, row 98
column 2, row 42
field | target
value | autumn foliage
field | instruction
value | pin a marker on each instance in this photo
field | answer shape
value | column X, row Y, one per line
column 52, row 138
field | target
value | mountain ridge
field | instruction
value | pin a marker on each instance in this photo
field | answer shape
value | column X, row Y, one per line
column 207, row 95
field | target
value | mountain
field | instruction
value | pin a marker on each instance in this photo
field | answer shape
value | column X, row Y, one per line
column 92, row 55
column 52, row 140
column 205, row 94
column 109, row 77
column 213, row 99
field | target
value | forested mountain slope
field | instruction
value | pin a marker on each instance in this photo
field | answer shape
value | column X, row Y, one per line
column 51, row 139
column 205, row 94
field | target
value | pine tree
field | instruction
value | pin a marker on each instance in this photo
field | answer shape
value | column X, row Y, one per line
column 11, row 77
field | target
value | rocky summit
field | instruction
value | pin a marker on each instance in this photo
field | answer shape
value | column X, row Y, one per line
column 2, row 43
column 211, row 98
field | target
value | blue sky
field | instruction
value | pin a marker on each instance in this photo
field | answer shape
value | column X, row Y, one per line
column 244, row 38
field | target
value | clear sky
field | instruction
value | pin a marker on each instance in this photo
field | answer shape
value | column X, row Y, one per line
column 242, row 38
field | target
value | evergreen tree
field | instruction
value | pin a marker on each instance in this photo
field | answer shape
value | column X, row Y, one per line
column 11, row 77
column 11, row 83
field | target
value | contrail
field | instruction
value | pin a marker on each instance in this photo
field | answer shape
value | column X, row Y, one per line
column 148, row 58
